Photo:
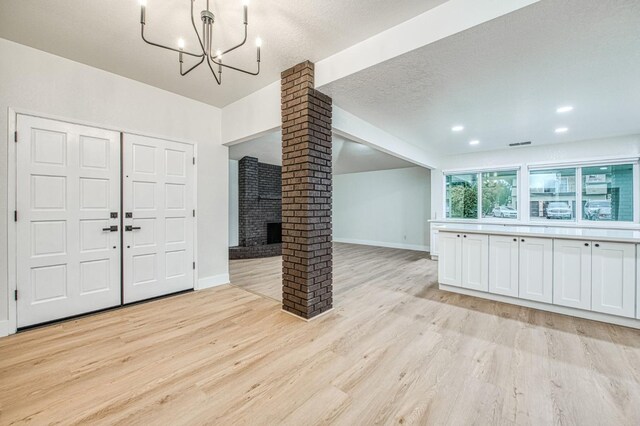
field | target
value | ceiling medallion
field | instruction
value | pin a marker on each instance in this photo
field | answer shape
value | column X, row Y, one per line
column 205, row 40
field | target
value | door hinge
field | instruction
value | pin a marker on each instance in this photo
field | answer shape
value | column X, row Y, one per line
column 15, row 294
column 194, row 265
column 15, row 215
column 194, row 161
column 15, row 136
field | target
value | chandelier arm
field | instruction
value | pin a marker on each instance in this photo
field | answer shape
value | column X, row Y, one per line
column 236, row 69
column 241, row 44
column 165, row 47
column 192, row 68
column 219, row 81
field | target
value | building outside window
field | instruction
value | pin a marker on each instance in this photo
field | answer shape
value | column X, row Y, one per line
column 607, row 193
column 500, row 194
column 552, row 194
column 462, row 196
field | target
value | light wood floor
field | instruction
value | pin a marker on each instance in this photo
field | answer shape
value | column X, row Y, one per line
column 396, row 350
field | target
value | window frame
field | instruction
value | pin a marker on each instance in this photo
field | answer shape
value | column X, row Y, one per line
column 524, row 194
column 478, row 172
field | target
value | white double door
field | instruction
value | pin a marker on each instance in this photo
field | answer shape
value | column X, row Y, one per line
column 158, row 208
column 70, row 257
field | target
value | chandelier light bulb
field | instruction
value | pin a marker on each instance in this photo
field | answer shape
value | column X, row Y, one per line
column 143, row 3
column 180, row 43
column 258, row 42
column 219, row 54
column 245, row 3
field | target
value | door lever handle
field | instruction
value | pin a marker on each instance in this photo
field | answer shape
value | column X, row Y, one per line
column 130, row 228
column 113, row 228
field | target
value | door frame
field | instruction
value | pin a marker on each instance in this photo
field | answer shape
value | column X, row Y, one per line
column 12, row 259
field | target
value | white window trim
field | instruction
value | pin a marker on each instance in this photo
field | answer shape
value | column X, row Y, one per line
column 523, row 191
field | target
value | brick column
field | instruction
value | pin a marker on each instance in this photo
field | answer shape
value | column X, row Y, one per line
column 307, row 289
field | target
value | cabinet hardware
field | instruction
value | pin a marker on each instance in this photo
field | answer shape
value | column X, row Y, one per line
column 112, row 228
column 597, row 245
column 130, row 228
column 586, row 244
column 522, row 240
column 458, row 236
column 465, row 236
column 515, row 240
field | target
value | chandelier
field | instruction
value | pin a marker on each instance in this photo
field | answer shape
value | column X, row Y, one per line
column 205, row 40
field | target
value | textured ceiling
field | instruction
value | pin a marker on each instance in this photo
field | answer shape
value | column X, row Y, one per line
column 503, row 80
column 348, row 156
column 106, row 35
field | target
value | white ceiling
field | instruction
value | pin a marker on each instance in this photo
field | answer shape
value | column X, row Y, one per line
column 503, row 80
column 106, row 35
column 348, row 156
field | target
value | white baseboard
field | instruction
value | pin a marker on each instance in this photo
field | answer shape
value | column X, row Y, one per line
column 213, row 281
column 4, row 328
column 415, row 247
column 590, row 315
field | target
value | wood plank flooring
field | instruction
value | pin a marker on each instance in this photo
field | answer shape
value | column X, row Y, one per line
column 395, row 350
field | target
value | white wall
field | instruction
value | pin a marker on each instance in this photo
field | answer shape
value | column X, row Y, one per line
column 628, row 146
column 43, row 83
column 234, row 214
column 387, row 208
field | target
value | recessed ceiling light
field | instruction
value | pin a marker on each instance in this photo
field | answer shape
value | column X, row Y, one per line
column 457, row 128
column 562, row 130
column 563, row 109
column 474, row 142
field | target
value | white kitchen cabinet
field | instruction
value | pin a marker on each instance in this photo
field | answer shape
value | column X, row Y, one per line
column 572, row 273
column 638, row 281
column 614, row 279
column 450, row 258
column 475, row 262
column 536, row 272
column 503, row 265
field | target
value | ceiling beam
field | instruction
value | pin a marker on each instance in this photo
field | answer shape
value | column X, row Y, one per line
column 449, row 18
column 259, row 112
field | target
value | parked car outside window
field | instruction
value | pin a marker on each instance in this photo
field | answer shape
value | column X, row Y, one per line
column 559, row 210
column 597, row 210
column 505, row 212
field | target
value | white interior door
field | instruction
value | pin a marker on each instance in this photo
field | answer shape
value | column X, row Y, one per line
column 68, row 184
column 158, row 194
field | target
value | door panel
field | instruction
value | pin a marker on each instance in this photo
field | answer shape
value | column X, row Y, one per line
column 159, row 192
column 503, row 265
column 572, row 274
column 536, row 272
column 68, row 183
column 475, row 262
column 614, row 278
column 450, row 259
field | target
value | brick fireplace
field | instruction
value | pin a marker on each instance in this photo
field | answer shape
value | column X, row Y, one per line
column 260, row 210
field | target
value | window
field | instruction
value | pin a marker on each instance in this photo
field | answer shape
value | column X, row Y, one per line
column 462, row 196
column 552, row 194
column 607, row 193
column 500, row 194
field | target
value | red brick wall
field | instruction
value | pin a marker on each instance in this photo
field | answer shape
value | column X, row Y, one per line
column 307, row 284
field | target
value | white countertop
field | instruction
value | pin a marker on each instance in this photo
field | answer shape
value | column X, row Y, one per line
column 591, row 234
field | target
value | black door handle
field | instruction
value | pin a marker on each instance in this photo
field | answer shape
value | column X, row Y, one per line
column 130, row 228
column 113, row 228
